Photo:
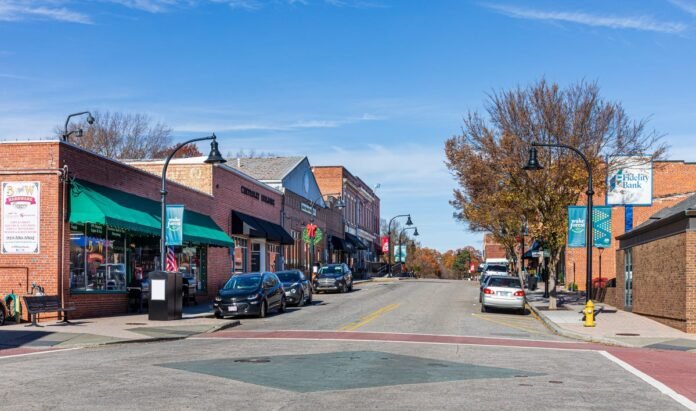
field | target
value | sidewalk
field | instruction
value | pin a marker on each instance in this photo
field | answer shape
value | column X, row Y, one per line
column 612, row 326
column 110, row 330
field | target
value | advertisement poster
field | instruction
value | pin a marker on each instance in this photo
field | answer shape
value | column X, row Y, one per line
column 577, row 218
column 629, row 181
column 400, row 253
column 20, row 217
column 175, row 225
column 601, row 225
column 385, row 245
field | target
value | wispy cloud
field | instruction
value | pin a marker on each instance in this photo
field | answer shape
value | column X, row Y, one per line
column 643, row 23
column 241, row 126
column 14, row 10
column 688, row 6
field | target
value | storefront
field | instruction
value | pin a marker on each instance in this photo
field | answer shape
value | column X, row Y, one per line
column 262, row 242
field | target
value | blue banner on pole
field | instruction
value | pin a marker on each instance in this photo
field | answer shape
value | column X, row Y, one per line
column 628, row 218
column 577, row 218
column 175, row 225
column 601, row 224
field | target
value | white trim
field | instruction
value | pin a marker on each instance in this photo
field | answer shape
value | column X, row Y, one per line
column 650, row 380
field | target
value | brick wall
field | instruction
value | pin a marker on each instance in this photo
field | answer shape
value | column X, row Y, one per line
column 491, row 249
column 690, row 282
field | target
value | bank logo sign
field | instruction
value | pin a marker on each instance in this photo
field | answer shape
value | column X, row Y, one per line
column 629, row 181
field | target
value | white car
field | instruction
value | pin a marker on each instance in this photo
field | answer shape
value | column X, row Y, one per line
column 503, row 292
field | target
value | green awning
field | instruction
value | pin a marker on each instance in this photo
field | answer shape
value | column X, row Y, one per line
column 96, row 204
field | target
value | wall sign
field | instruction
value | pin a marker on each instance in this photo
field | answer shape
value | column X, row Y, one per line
column 21, row 214
column 263, row 198
column 306, row 208
column 630, row 181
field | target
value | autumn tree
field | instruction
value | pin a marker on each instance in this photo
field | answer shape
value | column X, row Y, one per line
column 425, row 262
column 495, row 194
column 189, row 150
column 122, row 136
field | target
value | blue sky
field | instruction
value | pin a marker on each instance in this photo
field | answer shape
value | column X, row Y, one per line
column 375, row 85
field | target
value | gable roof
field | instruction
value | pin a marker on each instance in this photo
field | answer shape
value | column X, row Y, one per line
column 265, row 169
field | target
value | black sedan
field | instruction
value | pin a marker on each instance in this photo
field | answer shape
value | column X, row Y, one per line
column 250, row 294
column 334, row 277
column 298, row 290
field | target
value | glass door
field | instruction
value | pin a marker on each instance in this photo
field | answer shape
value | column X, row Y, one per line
column 628, row 279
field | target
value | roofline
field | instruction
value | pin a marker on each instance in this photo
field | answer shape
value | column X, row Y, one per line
column 657, row 224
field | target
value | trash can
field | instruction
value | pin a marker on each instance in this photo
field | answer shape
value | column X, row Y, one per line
column 531, row 282
column 165, row 296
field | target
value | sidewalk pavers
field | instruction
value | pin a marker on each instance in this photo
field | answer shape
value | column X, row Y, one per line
column 612, row 326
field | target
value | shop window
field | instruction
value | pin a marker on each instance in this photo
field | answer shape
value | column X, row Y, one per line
column 97, row 258
column 193, row 264
column 272, row 256
column 240, row 254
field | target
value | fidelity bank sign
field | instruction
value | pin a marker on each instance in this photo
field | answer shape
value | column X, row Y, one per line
column 629, row 181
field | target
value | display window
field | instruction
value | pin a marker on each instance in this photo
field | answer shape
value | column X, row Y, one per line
column 240, row 254
column 97, row 258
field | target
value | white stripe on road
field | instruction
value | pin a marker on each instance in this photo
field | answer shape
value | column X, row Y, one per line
column 38, row 352
column 650, row 380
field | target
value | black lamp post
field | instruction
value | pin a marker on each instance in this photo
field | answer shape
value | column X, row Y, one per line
column 533, row 165
column 213, row 158
column 78, row 132
column 402, row 233
column 389, row 231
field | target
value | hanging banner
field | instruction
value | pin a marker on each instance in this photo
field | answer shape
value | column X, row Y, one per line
column 577, row 217
column 385, row 244
column 400, row 254
column 20, row 217
column 175, row 225
column 601, row 226
column 629, row 181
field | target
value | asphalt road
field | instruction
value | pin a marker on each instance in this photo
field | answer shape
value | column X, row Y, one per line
column 498, row 361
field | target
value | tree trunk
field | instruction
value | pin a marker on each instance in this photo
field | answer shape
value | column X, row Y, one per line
column 553, row 269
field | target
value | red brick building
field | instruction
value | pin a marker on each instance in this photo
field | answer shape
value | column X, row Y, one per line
column 96, row 230
column 361, row 215
column 491, row 248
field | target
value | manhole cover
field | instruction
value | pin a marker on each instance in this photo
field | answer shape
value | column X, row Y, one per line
column 627, row 334
column 136, row 324
column 253, row 360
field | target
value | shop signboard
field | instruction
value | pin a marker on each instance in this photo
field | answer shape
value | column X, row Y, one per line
column 21, row 217
column 601, row 226
column 174, row 232
column 629, row 181
column 306, row 208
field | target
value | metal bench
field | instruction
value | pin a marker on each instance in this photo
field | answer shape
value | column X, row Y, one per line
column 45, row 304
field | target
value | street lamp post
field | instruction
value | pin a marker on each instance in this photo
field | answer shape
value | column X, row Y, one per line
column 402, row 233
column 533, row 165
column 78, row 132
column 599, row 283
column 389, row 231
column 213, row 158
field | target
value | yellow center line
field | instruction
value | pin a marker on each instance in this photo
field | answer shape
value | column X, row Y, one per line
column 370, row 317
column 506, row 324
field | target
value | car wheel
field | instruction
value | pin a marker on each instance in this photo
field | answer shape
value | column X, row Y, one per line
column 343, row 288
column 521, row 311
column 262, row 310
column 309, row 297
column 350, row 287
column 2, row 314
column 483, row 309
column 219, row 316
column 301, row 301
column 283, row 303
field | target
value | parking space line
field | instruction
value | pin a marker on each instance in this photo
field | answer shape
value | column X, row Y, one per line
column 499, row 322
column 370, row 317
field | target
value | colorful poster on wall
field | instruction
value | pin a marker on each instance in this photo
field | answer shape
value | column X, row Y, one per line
column 577, row 218
column 629, row 181
column 601, row 225
column 21, row 214
column 174, row 233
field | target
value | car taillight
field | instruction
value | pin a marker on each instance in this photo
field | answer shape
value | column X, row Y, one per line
column 488, row 291
column 519, row 293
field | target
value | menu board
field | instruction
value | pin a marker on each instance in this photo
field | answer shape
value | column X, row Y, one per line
column 20, row 217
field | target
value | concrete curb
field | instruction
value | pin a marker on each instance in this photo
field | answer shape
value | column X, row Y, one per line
column 557, row 329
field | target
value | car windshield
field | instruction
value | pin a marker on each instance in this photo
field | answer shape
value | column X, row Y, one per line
column 288, row 276
column 510, row 282
column 497, row 268
column 331, row 271
column 243, row 282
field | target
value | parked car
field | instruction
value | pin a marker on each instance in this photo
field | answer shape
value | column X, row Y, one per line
column 250, row 294
column 3, row 313
column 503, row 292
column 496, row 269
column 298, row 290
column 334, row 277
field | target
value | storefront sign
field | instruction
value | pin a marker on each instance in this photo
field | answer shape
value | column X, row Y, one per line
column 601, row 226
column 308, row 209
column 629, row 181
column 252, row 193
column 20, row 217
column 175, row 225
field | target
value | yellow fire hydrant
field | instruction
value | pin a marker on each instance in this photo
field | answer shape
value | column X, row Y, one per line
column 589, row 314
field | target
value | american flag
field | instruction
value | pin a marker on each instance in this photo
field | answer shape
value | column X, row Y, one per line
column 172, row 265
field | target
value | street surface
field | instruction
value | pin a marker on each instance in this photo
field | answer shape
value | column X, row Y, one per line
column 420, row 344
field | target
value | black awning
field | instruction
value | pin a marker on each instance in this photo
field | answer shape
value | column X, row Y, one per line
column 342, row 245
column 536, row 246
column 245, row 224
column 357, row 242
